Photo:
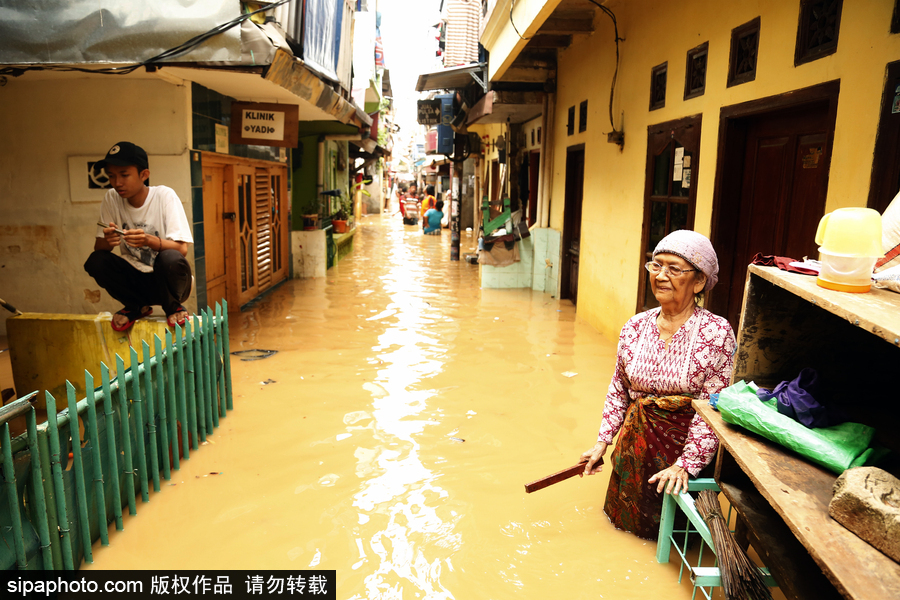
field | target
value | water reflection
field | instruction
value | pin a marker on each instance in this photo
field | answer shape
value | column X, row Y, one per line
column 414, row 540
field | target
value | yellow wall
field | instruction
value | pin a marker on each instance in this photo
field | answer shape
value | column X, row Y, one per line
column 47, row 219
column 492, row 131
column 502, row 40
column 656, row 32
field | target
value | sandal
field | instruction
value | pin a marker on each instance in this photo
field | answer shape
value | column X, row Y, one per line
column 181, row 317
column 132, row 315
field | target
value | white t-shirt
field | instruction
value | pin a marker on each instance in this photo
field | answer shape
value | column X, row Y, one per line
column 161, row 215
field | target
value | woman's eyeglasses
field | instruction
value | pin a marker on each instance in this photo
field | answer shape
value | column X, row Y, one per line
column 671, row 270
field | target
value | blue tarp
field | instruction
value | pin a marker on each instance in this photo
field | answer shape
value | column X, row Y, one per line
column 322, row 36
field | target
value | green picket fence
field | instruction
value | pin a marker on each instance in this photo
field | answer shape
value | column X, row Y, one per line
column 61, row 490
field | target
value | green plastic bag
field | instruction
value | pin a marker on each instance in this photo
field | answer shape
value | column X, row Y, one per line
column 836, row 448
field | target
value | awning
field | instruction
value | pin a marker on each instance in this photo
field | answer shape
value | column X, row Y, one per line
column 453, row 78
column 500, row 106
column 369, row 146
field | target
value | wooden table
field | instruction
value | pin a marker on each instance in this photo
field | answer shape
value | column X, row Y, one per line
column 788, row 323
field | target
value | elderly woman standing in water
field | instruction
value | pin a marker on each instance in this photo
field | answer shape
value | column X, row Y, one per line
column 666, row 357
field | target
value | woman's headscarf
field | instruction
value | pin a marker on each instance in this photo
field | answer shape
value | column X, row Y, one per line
column 696, row 249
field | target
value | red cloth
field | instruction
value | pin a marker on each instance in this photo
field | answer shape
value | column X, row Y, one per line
column 782, row 262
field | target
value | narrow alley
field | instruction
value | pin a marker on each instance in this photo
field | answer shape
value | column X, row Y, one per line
column 390, row 437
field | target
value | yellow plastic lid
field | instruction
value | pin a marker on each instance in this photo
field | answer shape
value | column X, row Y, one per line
column 843, row 287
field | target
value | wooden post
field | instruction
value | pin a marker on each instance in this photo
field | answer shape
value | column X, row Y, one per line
column 112, row 456
column 12, row 498
column 94, row 437
column 137, row 398
column 125, row 426
column 151, row 415
column 84, row 521
column 40, row 504
column 171, row 403
column 59, row 487
column 182, row 403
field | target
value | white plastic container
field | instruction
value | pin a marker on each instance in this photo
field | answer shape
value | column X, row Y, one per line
column 846, row 273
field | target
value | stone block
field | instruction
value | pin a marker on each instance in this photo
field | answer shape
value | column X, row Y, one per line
column 867, row 502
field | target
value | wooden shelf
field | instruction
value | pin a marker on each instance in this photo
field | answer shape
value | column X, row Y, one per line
column 788, row 323
column 799, row 492
column 877, row 311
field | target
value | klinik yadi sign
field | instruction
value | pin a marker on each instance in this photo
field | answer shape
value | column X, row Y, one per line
column 261, row 124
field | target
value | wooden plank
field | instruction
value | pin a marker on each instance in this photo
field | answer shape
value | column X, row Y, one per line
column 799, row 492
column 877, row 311
column 549, row 480
column 793, row 568
column 783, row 332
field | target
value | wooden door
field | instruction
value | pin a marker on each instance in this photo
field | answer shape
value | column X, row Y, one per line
column 280, row 223
column 214, row 232
column 785, row 161
column 241, row 251
column 571, row 236
column 886, row 164
column 262, row 206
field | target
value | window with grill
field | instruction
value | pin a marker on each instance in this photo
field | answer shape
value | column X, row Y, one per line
column 582, row 116
column 695, row 73
column 658, row 76
column 570, row 124
column 817, row 32
column 744, row 51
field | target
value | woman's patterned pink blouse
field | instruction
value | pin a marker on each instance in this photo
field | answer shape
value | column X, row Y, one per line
column 698, row 362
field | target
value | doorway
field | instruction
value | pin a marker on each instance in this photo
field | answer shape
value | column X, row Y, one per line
column 534, row 169
column 214, row 232
column 886, row 165
column 673, row 162
column 771, row 184
column 571, row 235
column 245, row 211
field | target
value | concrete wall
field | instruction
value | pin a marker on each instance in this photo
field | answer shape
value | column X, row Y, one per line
column 308, row 251
column 47, row 216
column 656, row 32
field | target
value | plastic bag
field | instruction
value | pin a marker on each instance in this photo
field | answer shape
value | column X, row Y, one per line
column 836, row 448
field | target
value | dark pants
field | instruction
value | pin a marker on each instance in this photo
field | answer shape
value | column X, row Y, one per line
column 168, row 285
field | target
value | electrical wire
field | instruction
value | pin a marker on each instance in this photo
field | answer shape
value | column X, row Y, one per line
column 612, row 90
column 165, row 55
column 512, row 5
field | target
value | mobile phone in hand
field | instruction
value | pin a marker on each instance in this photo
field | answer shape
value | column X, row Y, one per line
column 105, row 226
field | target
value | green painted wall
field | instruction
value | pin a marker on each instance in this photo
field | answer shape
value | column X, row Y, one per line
column 304, row 167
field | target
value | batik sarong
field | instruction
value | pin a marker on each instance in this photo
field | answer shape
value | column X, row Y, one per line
column 651, row 439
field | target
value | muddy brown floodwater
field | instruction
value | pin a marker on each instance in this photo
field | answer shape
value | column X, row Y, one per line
column 402, row 415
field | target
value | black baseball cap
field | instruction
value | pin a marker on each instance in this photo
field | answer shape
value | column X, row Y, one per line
column 125, row 154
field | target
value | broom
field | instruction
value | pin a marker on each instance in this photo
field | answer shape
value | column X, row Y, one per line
column 741, row 579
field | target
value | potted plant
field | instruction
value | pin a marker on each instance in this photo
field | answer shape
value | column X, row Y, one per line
column 340, row 219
